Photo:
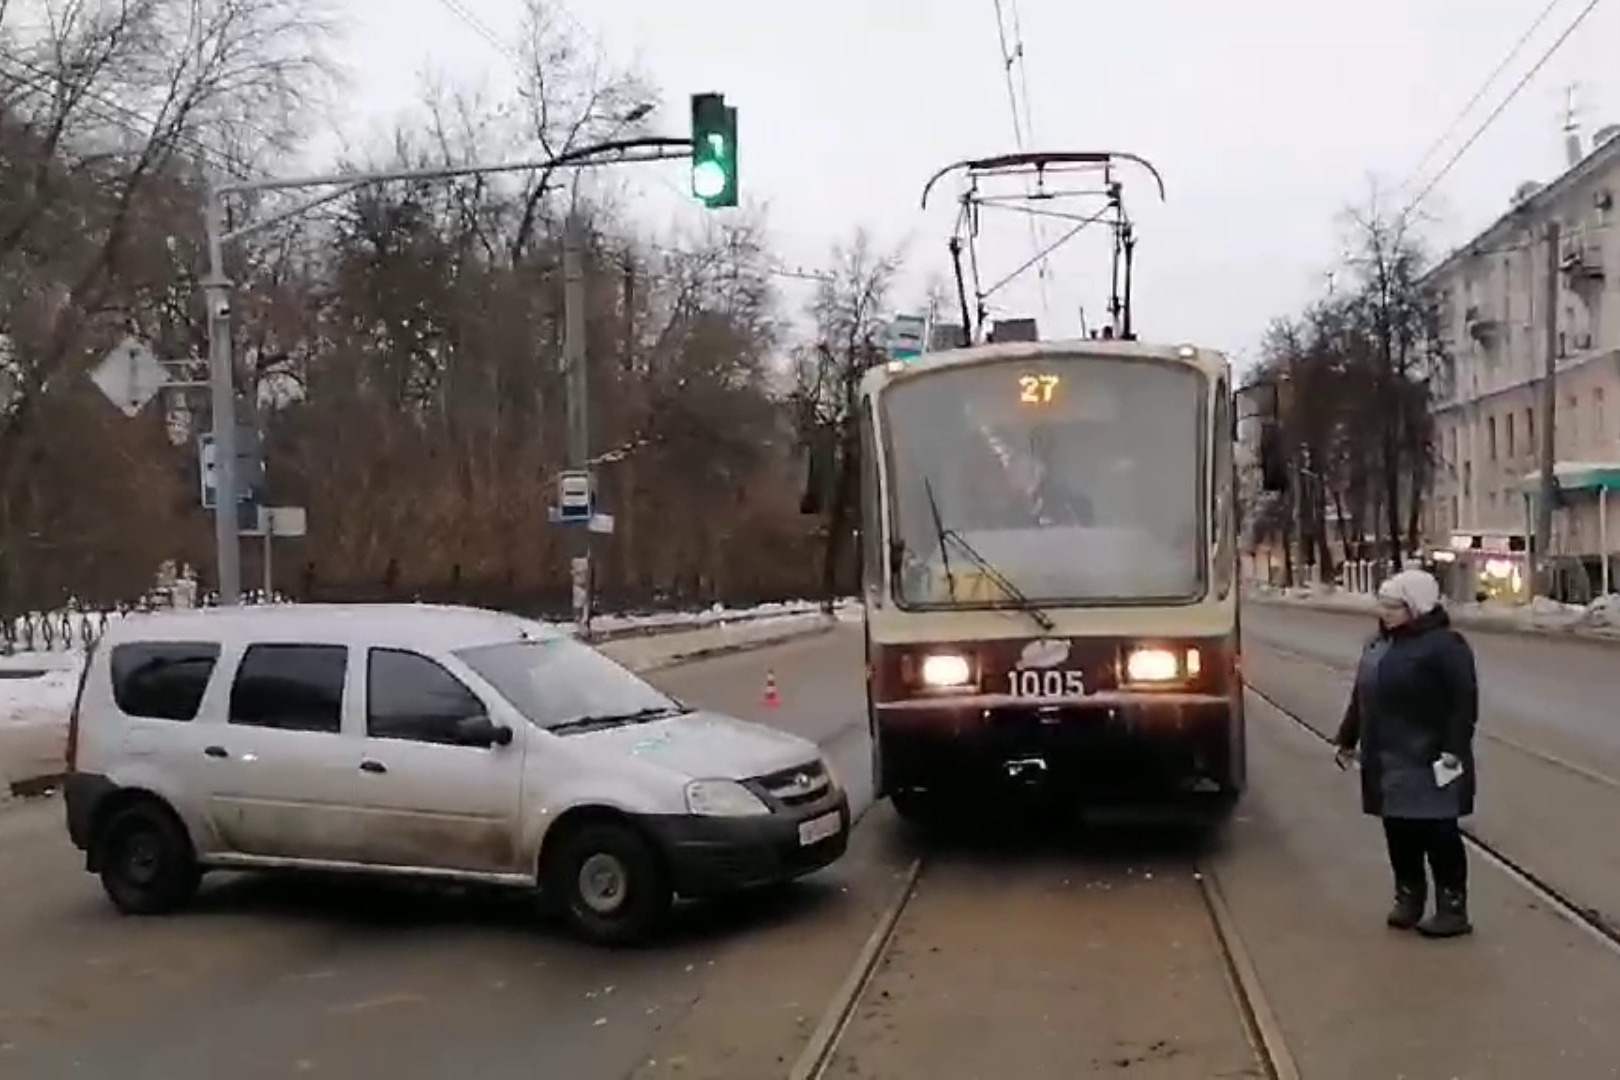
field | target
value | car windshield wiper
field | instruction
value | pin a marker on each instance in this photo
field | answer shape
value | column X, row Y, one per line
column 638, row 716
column 984, row 566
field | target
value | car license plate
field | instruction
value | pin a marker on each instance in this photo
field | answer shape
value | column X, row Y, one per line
column 1045, row 683
column 818, row 829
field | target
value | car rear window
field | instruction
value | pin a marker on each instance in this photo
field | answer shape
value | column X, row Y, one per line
column 162, row 680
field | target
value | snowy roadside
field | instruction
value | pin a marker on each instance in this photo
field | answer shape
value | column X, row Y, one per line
column 1597, row 621
column 33, row 711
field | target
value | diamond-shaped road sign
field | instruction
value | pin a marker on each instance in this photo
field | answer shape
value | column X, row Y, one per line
column 130, row 375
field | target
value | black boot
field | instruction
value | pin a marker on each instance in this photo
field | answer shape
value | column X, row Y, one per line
column 1450, row 918
column 1408, row 908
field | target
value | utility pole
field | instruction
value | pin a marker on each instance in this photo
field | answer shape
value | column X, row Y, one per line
column 222, row 392
column 1549, row 406
column 578, row 385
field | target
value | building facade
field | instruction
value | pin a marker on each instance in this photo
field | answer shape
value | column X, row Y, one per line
column 1491, row 296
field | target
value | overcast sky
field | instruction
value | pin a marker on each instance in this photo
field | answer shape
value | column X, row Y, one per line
column 1266, row 117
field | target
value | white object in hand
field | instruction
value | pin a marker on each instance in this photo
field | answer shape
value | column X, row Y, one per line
column 1446, row 769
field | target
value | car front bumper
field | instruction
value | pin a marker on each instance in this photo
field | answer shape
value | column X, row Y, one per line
column 708, row 856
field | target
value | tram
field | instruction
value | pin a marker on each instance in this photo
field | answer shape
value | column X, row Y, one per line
column 1049, row 568
column 1050, row 575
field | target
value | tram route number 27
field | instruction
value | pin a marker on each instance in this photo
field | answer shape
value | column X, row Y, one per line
column 1045, row 682
column 1037, row 389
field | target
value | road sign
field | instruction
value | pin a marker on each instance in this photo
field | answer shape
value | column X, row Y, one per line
column 574, row 502
column 905, row 337
column 130, row 375
column 286, row 522
column 249, row 475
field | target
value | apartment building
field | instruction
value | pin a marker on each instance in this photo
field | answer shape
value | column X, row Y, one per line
column 1492, row 297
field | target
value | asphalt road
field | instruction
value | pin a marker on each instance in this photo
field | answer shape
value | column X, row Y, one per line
column 1017, row 957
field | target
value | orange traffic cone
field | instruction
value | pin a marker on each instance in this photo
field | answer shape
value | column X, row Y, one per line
column 772, row 699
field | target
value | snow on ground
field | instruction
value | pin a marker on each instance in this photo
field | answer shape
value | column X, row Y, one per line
column 1600, row 618
column 50, row 679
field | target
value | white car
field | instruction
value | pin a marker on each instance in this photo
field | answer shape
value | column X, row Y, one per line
column 430, row 742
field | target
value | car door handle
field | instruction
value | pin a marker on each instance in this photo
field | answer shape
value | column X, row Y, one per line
column 372, row 766
column 215, row 751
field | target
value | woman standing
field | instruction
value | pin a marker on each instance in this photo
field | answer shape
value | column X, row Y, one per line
column 1412, row 714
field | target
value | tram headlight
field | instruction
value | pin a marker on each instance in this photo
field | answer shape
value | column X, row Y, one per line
column 943, row 671
column 1153, row 666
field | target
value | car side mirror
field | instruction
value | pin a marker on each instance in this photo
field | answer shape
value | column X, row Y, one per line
column 482, row 731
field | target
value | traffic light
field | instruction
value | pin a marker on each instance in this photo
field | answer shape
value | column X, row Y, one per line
column 714, row 151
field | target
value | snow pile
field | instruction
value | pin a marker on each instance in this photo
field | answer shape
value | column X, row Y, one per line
column 1601, row 617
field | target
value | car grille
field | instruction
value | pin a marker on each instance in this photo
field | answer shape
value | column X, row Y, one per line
column 796, row 786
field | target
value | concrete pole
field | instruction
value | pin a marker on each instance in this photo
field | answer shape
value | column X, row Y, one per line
column 1603, row 533
column 578, row 386
column 1549, row 410
column 222, row 390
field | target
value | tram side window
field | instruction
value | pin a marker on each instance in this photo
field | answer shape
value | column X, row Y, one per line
column 872, row 560
column 1224, row 473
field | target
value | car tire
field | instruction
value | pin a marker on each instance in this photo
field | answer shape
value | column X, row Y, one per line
column 609, row 884
column 920, row 809
column 147, row 863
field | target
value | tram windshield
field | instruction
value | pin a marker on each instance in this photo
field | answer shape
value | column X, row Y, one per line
column 1077, row 478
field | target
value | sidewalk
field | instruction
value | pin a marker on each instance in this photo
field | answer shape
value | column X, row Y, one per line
column 33, row 722
column 1599, row 621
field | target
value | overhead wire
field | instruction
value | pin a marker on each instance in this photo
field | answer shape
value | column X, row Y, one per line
column 1484, row 88
column 1501, row 107
column 1012, row 54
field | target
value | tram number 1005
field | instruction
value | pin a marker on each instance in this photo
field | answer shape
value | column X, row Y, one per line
column 1045, row 682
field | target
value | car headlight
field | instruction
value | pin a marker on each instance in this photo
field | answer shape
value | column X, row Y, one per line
column 722, row 798
column 944, row 670
column 1152, row 665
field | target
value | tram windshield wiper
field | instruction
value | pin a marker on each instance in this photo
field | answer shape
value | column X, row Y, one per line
column 945, row 533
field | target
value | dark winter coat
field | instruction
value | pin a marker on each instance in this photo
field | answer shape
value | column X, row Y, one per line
column 1415, row 697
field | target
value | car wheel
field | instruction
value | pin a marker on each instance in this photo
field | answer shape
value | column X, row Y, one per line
column 609, row 884
column 919, row 809
column 147, row 865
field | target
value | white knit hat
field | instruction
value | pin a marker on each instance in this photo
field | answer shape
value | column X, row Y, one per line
column 1417, row 589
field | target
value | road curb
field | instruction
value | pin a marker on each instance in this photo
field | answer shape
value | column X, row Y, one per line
column 713, row 651
column 1464, row 621
column 30, row 787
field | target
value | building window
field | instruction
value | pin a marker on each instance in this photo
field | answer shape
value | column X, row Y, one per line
column 1530, row 429
column 1455, row 520
column 1600, row 424
column 1572, row 407
column 1490, row 437
column 1507, row 424
column 1468, row 479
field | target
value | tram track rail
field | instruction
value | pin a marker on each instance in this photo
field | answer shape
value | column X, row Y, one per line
column 1518, row 746
column 1261, row 1030
column 1589, row 921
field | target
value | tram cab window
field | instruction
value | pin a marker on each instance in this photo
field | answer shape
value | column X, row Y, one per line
column 1091, row 492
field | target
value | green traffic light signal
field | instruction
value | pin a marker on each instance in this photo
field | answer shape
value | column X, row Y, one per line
column 714, row 151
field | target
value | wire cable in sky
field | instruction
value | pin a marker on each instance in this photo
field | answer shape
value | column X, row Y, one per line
column 1501, row 106
column 1484, row 88
column 1010, row 55
column 479, row 27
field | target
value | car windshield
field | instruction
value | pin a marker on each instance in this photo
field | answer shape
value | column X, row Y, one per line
column 563, row 683
column 1076, row 477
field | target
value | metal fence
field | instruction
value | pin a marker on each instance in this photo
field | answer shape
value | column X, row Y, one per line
column 71, row 629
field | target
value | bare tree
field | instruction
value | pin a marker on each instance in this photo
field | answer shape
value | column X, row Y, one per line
column 110, row 108
column 850, row 309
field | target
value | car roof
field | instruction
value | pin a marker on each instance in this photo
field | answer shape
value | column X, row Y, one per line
column 406, row 626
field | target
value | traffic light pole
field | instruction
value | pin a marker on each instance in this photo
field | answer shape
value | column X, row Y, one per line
column 217, row 294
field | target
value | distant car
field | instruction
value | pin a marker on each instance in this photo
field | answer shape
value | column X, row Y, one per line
column 428, row 742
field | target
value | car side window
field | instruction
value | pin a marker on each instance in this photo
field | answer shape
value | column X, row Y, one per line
column 411, row 697
column 162, row 680
column 291, row 687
